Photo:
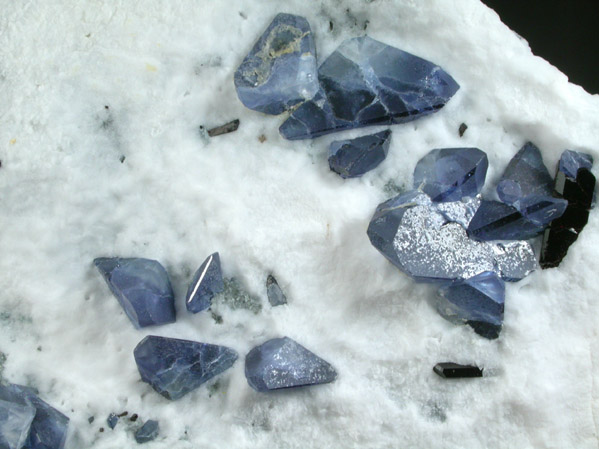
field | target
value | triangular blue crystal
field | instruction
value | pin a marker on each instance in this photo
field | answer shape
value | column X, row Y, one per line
column 207, row 282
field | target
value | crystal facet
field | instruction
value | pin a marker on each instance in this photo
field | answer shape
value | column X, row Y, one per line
column 274, row 292
column 449, row 174
column 514, row 260
column 175, row 367
column 207, row 282
column 571, row 161
column 354, row 157
column 451, row 370
column 283, row 363
column 147, row 432
column 112, row 420
column 495, row 220
column 15, row 421
column 365, row 82
column 142, row 288
column 460, row 211
column 280, row 70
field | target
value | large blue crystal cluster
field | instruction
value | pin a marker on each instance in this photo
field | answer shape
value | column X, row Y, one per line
column 28, row 422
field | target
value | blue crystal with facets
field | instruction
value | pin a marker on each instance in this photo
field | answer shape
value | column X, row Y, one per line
column 365, row 82
column 48, row 428
column 142, row 287
column 175, row 367
column 276, row 297
column 280, row 70
column 207, row 282
column 15, row 421
column 477, row 301
column 450, row 174
column 571, row 161
column 147, row 432
column 284, row 363
column 354, row 157
column 495, row 220
column 112, row 420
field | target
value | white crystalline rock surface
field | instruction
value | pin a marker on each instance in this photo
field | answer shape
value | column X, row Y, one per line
column 164, row 68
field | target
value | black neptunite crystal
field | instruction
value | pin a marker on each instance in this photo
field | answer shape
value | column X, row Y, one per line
column 451, row 370
column 224, row 129
column 564, row 231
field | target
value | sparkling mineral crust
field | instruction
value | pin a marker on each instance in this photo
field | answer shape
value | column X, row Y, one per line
column 283, row 363
column 142, row 288
column 276, row 297
column 354, row 157
column 450, row 174
column 280, row 70
column 147, row 432
column 175, row 367
column 207, row 282
column 365, row 82
column 451, row 370
column 27, row 421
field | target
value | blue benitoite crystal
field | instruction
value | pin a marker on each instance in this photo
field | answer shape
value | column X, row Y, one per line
column 284, row 363
column 207, row 282
column 365, row 82
column 450, row 174
column 276, row 297
column 477, row 301
column 280, row 70
column 112, row 420
column 147, row 432
column 47, row 429
column 354, row 157
column 495, row 220
column 142, row 288
column 571, row 161
column 175, row 367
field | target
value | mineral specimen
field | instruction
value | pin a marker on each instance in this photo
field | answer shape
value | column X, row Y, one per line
column 224, row 129
column 460, row 211
column 15, row 421
column 451, row 370
column 280, row 70
column 142, row 288
column 283, row 363
column 274, row 292
column 354, row 157
column 571, row 161
column 147, row 432
column 175, row 367
column 365, row 82
column 495, row 220
column 207, row 282
column 112, row 420
column 449, row 174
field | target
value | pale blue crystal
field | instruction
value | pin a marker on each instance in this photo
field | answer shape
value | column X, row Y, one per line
column 147, row 432
column 142, row 288
column 450, row 174
column 15, row 421
column 365, row 82
column 112, row 420
column 280, row 70
column 175, row 367
column 276, row 297
column 495, row 220
column 284, row 363
column 354, row 157
column 207, row 282
column 571, row 161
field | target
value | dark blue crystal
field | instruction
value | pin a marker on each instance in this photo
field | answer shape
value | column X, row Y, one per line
column 280, row 70
column 112, row 420
column 354, row 157
column 142, row 288
column 450, row 174
column 498, row 221
column 175, row 367
column 276, row 297
column 207, row 282
column 48, row 429
column 147, row 432
column 283, row 363
column 365, row 82
column 571, row 161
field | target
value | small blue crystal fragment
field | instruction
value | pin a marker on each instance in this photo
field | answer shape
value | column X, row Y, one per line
column 207, row 282
column 142, row 288
column 450, row 174
column 571, row 161
column 112, row 420
column 354, row 157
column 15, row 421
column 477, row 301
column 498, row 221
column 175, row 367
column 280, row 70
column 147, row 432
column 48, row 429
column 365, row 82
column 283, row 363
column 276, row 297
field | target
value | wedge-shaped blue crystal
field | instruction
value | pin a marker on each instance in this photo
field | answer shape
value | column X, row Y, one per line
column 47, row 429
column 276, row 297
column 365, row 82
column 175, row 367
column 142, row 288
column 147, row 432
column 477, row 301
column 15, row 420
column 450, row 174
column 284, row 363
column 280, row 70
column 495, row 220
column 207, row 282
column 571, row 161
column 354, row 157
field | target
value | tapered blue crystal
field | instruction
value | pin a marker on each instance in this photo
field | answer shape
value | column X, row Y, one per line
column 276, row 297
column 495, row 220
column 280, row 70
column 365, row 82
column 284, row 363
column 571, row 161
column 207, row 282
column 354, row 157
column 142, row 288
column 175, row 367
column 147, row 432
column 450, row 174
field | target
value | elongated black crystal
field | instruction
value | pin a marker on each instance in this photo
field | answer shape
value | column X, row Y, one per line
column 451, row 370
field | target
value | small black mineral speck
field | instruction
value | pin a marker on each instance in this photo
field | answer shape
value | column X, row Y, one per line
column 90, row 419
column 39, row 348
column 133, row 417
column 101, row 429
column 0, row 163
column 462, row 129
column 217, row 318
column 106, row 106
column 224, row 129
column 122, row 159
column 451, row 370
column 125, row 413
column 330, row 25
column 262, row 138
